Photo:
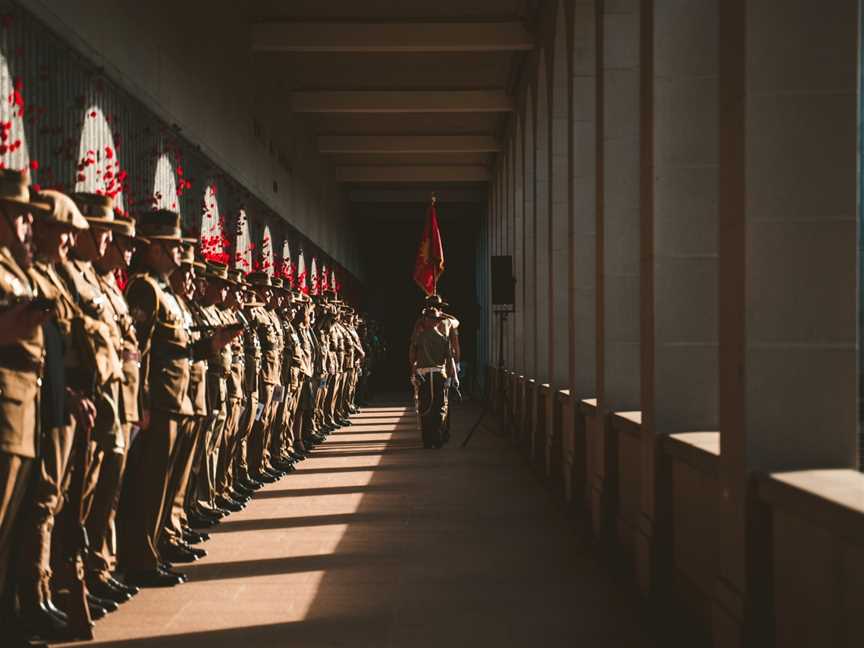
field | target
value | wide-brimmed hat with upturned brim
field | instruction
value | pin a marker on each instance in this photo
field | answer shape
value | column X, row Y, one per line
column 56, row 207
column 98, row 209
column 161, row 225
column 15, row 190
column 259, row 280
column 218, row 271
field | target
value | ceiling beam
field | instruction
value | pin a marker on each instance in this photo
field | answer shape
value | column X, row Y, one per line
column 390, row 37
column 397, row 144
column 419, row 173
column 411, row 101
column 403, row 195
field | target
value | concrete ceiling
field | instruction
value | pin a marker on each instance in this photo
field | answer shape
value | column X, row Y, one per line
column 400, row 94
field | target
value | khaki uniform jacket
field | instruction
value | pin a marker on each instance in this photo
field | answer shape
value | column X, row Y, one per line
column 337, row 354
column 270, row 337
column 238, row 354
column 197, row 366
column 105, row 338
column 165, row 343
column 322, row 360
column 20, row 367
column 252, row 353
column 129, row 354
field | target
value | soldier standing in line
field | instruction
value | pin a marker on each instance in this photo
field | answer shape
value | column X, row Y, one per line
column 58, row 222
column 166, row 350
column 284, row 395
column 232, row 313
column 323, row 367
column 347, row 343
column 252, row 378
column 270, row 335
column 303, row 432
column 108, row 441
column 100, row 523
column 216, row 286
column 174, row 546
column 338, row 357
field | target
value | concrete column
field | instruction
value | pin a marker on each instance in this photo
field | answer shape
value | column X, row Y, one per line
column 559, row 196
column 584, row 200
column 518, row 245
column 679, row 242
column 619, row 298
column 529, row 285
column 788, row 276
column 541, row 209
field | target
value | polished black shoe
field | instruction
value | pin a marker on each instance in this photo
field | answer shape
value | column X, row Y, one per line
column 267, row 478
column 239, row 495
column 104, row 590
column 297, row 456
column 123, row 587
column 197, row 551
column 252, row 484
column 57, row 612
column 39, row 621
column 242, row 489
column 195, row 537
column 214, row 513
column 96, row 611
column 108, row 604
column 153, row 578
column 228, row 504
column 177, row 554
column 200, row 522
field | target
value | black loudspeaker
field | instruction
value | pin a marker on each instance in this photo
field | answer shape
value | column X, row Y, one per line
column 503, row 282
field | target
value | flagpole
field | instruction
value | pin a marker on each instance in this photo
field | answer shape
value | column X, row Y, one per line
column 434, row 200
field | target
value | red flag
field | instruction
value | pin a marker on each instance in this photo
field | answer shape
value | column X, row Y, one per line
column 430, row 255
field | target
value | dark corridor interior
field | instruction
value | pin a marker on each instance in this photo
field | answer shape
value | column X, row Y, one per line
column 389, row 234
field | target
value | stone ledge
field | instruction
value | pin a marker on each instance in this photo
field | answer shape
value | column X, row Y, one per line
column 588, row 406
column 698, row 449
column 832, row 499
column 628, row 422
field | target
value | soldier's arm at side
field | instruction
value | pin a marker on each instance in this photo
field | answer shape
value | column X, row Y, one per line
column 142, row 300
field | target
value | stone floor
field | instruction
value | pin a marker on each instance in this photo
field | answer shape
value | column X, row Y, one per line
column 375, row 542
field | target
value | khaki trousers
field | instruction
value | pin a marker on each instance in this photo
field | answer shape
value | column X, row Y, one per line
column 14, row 473
column 259, row 441
column 149, row 475
column 103, row 505
column 240, row 461
column 189, row 439
column 228, row 448
column 45, row 501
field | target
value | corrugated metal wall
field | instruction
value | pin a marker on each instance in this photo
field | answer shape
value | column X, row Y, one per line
column 76, row 130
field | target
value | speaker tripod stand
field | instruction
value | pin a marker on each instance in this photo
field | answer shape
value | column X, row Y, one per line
column 500, row 390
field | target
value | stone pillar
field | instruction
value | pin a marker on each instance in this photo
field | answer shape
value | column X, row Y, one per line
column 615, row 514
column 559, row 196
column 584, row 202
column 518, row 246
column 788, row 82
column 679, row 242
column 542, row 222
column 528, row 286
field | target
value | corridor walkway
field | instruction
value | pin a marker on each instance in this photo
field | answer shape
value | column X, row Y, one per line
column 377, row 543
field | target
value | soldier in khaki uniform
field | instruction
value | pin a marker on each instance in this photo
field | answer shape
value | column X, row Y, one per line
column 270, row 335
column 216, row 288
column 59, row 220
column 166, row 350
column 232, row 313
column 323, row 366
column 282, row 439
column 174, row 546
column 336, row 374
column 252, row 378
column 100, row 523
